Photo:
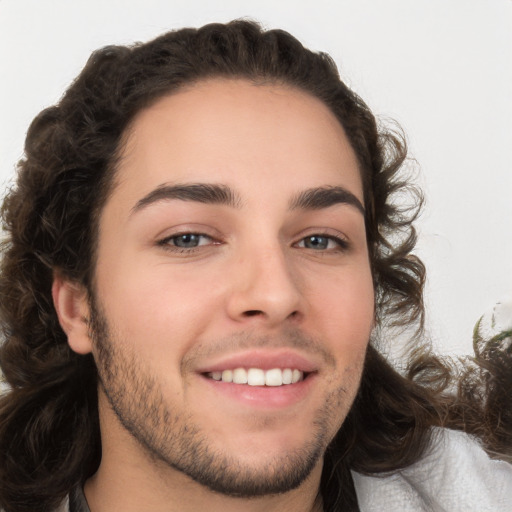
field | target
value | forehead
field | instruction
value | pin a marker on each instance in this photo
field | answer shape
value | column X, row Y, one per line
column 238, row 133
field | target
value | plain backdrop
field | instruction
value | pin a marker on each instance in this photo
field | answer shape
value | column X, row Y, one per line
column 441, row 68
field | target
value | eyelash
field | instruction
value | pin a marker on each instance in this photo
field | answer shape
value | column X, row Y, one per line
column 342, row 244
column 166, row 242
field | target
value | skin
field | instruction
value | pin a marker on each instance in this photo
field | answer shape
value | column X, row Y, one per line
column 256, row 286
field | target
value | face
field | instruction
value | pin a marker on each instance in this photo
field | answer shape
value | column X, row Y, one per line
column 233, row 293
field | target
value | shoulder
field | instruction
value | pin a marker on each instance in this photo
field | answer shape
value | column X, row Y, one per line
column 455, row 475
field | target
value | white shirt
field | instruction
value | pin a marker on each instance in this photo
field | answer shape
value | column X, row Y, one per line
column 455, row 475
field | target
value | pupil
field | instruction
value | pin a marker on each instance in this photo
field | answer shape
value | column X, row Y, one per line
column 187, row 240
column 316, row 242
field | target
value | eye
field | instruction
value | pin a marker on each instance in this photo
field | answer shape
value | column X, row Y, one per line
column 186, row 240
column 322, row 243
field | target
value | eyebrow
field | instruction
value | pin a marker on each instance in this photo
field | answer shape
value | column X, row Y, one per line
column 208, row 193
column 324, row 197
column 211, row 193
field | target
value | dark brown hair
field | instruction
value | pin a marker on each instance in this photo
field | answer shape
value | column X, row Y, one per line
column 49, row 430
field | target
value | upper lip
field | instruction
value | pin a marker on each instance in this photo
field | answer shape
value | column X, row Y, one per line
column 262, row 358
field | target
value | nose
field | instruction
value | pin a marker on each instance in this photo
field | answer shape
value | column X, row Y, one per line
column 265, row 288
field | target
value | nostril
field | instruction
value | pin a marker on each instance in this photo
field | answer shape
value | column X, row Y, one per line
column 253, row 312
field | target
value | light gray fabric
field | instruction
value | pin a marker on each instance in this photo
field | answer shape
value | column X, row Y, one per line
column 455, row 476
column 75, row 502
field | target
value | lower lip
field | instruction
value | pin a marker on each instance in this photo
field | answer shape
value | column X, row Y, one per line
column 264, row 397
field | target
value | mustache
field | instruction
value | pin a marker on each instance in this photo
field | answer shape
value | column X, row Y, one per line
column 247, row 340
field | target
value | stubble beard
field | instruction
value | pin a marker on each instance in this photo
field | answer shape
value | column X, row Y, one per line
column 138, row 402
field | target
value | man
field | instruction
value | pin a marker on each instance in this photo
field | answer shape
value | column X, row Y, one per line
column 200, row 245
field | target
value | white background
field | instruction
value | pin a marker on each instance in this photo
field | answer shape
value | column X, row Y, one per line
column 441, row 68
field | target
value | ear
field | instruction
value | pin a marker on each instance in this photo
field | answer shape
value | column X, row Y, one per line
column 70, row 300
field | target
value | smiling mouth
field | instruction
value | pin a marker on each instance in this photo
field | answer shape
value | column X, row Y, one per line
column 259, row 377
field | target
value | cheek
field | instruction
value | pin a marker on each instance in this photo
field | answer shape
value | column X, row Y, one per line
column 344, row 308
column 157, row 306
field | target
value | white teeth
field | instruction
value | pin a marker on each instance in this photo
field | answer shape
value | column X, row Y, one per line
column 255, row 377
column 274, row 377
column 258, row 377
column 227, row 376
column 240, row 376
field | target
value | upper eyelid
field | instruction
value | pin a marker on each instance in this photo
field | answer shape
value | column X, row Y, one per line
column 334, row 234
column 214, row 234
column 167, row 245
column 341, row 241
column 182, row 233
column 323, row 231
column 189, row 229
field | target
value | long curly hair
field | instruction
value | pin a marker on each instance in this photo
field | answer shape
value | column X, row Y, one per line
column 49, row 427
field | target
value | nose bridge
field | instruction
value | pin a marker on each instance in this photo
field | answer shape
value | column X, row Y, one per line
column 266, row 284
